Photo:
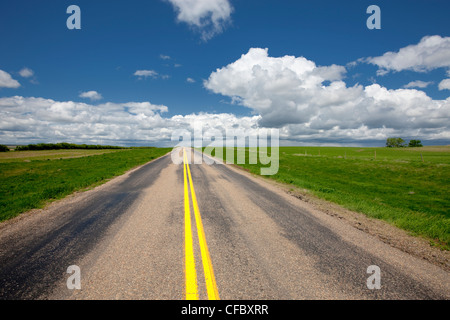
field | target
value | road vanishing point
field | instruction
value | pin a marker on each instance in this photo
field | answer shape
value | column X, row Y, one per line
column 190, row 231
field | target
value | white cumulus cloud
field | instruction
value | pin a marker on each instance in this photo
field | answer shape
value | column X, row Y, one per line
column 6, row 81
column 418, row 84
column 143, row 74
column 26, row 73
column 92, row 95
column 430, row 53
column 310, row 102
column 146, row 73
column 444, row 84
column 209, row 17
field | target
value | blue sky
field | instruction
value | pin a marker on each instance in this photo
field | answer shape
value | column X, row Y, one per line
column 160, row 38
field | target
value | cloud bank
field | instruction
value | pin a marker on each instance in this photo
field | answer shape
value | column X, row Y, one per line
column 310, row 102
column 26, row 120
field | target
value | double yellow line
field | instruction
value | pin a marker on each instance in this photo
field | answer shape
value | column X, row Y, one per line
column 190, row 270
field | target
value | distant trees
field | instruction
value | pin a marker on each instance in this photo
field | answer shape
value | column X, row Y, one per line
column 3, row 148
column 400, row 143
column 415, row 143
column 62, row 145
column 395, row 143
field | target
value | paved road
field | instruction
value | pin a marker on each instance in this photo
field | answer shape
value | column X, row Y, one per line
column 247, row 239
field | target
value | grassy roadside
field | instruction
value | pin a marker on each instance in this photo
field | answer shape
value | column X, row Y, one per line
column 394, row 185
column 32, row 183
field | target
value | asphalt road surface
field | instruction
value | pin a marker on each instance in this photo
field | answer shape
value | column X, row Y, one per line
column 198, row 231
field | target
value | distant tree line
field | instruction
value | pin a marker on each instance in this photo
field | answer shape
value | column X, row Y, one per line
column 400, row 143
column 3, row 148
column 62, row 145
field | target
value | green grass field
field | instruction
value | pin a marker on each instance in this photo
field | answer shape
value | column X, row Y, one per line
column 394, row 185
column 30, row 179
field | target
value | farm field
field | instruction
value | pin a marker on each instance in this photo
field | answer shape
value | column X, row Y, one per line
column 407, row 187
column 32, row 178
column 27, row 156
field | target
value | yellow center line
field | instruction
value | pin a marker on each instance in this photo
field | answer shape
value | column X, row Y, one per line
column 211, row 286
column 190, row 273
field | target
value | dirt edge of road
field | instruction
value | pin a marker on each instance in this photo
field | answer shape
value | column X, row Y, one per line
column 389, row 234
